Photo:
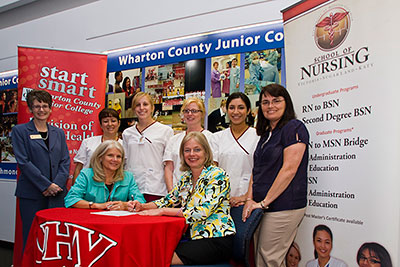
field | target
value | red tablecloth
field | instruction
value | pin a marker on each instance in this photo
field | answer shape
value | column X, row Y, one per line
column 75, row 237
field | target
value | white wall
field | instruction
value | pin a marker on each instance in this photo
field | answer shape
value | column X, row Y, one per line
column 103, row 25
column 97, row 26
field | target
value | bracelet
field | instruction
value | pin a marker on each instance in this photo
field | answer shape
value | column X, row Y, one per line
column 177, row 214
column 262, row 205
column 248, row 199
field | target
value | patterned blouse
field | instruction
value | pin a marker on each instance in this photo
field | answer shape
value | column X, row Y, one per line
column 206, row 206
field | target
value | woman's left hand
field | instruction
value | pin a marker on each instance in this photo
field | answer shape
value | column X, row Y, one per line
column 151, row 212
column 248, row 209
column 117, row 205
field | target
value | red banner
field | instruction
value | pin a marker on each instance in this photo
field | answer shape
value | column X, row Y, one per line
column 76, row 81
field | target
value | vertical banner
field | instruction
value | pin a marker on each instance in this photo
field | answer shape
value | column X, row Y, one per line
column 342, row 74
column 76, row 81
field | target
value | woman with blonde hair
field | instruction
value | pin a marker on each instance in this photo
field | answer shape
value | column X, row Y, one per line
column 193, row 112
column 144, row 144
column 105, row 185
column 293, row 256
column 201, row 197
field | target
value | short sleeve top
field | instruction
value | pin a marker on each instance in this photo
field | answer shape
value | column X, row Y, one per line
column 268, row 161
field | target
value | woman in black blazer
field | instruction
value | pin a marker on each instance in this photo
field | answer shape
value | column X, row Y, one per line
column 43, row 160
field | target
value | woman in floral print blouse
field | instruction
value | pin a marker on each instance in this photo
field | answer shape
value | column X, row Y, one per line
column 202, row 198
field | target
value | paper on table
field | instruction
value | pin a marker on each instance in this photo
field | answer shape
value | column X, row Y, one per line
column 116, row 213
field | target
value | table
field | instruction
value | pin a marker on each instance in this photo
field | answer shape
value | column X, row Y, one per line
column 74, row 237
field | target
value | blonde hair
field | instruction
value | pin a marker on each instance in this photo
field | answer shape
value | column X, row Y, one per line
column 97, row 166
column 199, row 103
column 202, row 140
column 140, row 95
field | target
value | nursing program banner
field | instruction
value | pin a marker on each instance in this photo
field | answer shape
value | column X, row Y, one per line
column 76, row 81
column 343, row 75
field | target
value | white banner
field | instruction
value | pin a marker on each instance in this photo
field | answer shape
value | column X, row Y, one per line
column 342, row 75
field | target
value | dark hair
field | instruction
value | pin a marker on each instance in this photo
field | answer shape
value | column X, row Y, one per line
column 117, row 73
column 321, row 227
column 40, row 96
column 108, row 112
column 245, row 99
column 234, row 59
column 124, row 83
column 380, row 252
column 289, row 114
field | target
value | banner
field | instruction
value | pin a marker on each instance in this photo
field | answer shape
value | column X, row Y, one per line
column 343, row 78
column 76, row 81
column 8, row 118
column 266, row 36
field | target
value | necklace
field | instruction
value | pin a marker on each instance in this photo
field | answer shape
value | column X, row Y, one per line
column 47, row 135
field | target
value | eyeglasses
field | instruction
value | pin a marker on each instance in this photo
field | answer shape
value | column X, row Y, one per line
column 38, row 107
column 274, row 102
column 193, row 111
column 371, row 260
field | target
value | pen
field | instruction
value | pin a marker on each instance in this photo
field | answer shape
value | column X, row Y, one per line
column 109, row 206
column 134, row 209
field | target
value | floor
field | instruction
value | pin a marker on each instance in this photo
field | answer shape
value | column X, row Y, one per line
column 6, row 254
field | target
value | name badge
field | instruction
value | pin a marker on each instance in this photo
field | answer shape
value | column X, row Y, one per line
column 35, row 136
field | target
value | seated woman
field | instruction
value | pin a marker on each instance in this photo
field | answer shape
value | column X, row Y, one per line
column 202, row 197
column 105, row 185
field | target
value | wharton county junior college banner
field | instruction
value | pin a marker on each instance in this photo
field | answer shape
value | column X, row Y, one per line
column 342, row 72
column 227, row 42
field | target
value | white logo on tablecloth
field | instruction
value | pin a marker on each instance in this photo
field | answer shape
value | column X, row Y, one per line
column 68, row 241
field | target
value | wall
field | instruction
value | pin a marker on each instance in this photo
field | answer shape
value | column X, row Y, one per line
column 97, row 26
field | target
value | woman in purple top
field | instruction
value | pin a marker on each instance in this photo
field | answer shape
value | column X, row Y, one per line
column 279, row 184
column 215, row 81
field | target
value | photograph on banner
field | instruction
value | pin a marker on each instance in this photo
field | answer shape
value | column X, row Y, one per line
column 8, row 101
column 8, row 111
column 169, row 85
column 262, row 68
column 326, row 253
column 225, row 75
column 121, row 88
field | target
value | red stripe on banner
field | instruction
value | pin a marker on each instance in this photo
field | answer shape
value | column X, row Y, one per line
column 300, row 7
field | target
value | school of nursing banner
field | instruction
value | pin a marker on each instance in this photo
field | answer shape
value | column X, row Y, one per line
column 342, row 73
column 76, row 81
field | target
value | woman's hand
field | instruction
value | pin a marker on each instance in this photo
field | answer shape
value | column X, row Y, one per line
column 100, row 206
column 152, row 212
column 237, row 201
column 117, row 205
column 248, row 209
column 134, row 206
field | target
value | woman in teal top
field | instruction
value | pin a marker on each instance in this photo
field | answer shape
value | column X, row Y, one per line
column 202, row 197
column 104, row 186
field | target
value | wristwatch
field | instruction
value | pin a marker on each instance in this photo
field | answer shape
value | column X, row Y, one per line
column 90, row 204
column 263, row 206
